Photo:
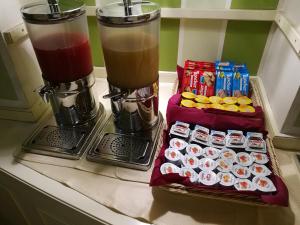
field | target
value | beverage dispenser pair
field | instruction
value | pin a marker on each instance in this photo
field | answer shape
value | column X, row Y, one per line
column 129, row 33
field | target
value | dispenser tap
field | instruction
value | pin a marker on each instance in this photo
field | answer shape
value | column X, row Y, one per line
column 45, row 92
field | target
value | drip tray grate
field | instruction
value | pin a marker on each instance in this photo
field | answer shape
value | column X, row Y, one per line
column 127, row 150
column 63, row 142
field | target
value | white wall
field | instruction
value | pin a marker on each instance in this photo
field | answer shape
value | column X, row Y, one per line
column 202, row 39
column 280, row 66
column 28, row 75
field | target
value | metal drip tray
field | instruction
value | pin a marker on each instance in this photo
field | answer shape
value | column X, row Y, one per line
column 64, row 142
column 134, row 150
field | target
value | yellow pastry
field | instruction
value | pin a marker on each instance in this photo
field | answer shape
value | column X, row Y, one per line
column 230, row 100
column 246, row 108
column 244, row 100
column 188, row 103
column 230, row 107
column 215, row 99
column 202, row 99
column 188, row 95
column 217, row 106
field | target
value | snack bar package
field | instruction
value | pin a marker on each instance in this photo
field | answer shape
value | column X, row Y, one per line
column 207, row 82
column 198, row 78
column 224, row 75
column 240, row 81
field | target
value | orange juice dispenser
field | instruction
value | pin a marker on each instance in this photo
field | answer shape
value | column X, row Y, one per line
column 130, row 42
column 129, row 33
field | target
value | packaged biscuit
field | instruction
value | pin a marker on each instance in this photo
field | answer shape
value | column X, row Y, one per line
column 207, row 82
column 180, row 130
column 240, row 82
column 190, row 80
column 264, row 184
column 224, row 74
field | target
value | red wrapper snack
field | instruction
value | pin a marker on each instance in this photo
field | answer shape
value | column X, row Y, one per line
column 207, row 82
column 198, row 77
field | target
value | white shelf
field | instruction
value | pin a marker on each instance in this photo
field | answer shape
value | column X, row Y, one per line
column 224, row 14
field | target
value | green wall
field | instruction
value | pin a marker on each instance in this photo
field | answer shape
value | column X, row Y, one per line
column 244, row 40
column 169, row 36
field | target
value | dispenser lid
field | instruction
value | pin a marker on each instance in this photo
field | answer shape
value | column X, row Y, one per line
column 55, row 11
column 136, row 12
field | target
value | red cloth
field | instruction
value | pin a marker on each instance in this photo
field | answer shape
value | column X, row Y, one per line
column 280, row 197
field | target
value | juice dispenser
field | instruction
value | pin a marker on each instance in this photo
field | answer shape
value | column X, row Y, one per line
column 59, row 35
column 129, row 33
column 130, row 41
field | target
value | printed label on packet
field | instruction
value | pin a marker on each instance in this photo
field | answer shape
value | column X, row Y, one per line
column 207, row 83
column 240, row 83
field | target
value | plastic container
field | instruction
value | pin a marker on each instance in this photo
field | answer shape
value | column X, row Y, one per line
column 59, row 35
column 130, row 42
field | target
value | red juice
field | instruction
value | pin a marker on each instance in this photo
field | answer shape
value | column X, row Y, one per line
column 64, row 57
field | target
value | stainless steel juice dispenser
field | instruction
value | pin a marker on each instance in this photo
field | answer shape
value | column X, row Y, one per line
column 130, row 41
column 129, row 33
column 59, row 35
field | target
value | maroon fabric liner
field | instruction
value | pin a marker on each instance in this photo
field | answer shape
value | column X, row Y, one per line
column 280, row 197
column 218, row 120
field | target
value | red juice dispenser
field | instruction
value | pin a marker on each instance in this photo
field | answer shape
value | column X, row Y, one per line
column 59, row 35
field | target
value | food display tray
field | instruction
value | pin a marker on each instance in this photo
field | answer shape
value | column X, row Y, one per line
column 220, row 120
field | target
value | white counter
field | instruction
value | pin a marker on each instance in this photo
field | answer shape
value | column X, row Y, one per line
column 32, row 197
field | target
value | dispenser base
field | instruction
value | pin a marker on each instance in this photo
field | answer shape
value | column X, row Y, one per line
column 64, row 142
column 131, row 150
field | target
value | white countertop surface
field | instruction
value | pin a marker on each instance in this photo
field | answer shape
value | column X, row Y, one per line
column 13, row 133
